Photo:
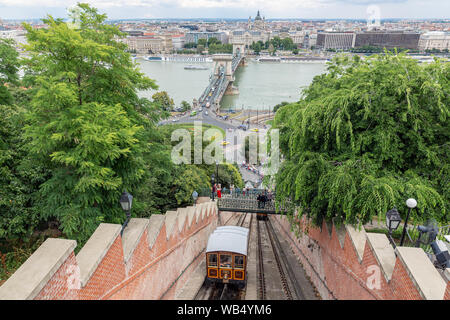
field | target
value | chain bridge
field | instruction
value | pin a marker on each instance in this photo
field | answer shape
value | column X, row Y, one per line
column 222, row 79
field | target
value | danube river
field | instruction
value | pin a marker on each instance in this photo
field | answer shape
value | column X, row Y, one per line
column 261, row 84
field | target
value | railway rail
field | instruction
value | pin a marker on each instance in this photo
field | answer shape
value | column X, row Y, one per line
column 289, row 283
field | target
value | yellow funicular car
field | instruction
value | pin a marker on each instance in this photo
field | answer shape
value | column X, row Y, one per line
column 226, row 255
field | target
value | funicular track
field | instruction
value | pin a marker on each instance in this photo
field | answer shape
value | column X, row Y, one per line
column 289, row 285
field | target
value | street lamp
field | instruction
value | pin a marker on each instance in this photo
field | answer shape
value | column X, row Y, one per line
column 195, row 196
column 392, row 222
column 212, row 187
column 411, row 203
column 126, row 202
column 217, row 170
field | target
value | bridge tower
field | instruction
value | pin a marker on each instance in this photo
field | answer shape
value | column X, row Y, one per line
column 238, row 48
column 223, row 62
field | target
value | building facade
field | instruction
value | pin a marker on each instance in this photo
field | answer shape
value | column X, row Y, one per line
column 435, row 40
column 407, row 40
column 150, row 44
column 193, row 37
column 335, row 40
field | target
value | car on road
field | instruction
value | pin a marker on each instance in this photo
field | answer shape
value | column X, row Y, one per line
column 193, row 113
column 230, row 129
column 175, row 120
column 206, row 112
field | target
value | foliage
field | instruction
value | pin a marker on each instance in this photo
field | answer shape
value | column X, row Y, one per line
column 163, row 100
column 202, row 42
column 213, row 41
column 185, row 106
column 190, row 45
column 87, row 124
column 366, row 136
column 279, row 106
column 8, row 69
column 220, row 48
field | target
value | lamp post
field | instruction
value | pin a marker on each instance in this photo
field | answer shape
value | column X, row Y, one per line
column 126, row 201
column 212, row 187
column 217, row 170
column 411, row 203
column 392, row 222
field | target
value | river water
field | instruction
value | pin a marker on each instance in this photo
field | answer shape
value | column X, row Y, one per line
column 261, row 85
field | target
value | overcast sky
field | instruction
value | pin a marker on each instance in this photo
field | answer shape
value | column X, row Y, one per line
column 314, row 9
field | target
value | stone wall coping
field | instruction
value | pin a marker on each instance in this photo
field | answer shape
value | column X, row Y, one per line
column 156, row 222
column 96, row 249
column 201, row 212
column 447, row 273
column 181, row 218
column 38, row 269
column 422, row 272
column 132, row 235
column 340, row 232
column 358, row 238
column 383, row 251
column 171, row 220
column 191, row 212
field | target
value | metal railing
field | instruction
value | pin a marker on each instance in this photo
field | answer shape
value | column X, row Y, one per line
column 416, row 238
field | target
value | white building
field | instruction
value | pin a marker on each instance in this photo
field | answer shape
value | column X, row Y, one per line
column 150, row 44
column 178, row 42
column 434, row 40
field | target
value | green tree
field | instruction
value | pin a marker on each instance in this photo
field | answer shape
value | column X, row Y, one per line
column 202, row 42
column 272, row 49
column 213, row 40
column 163, row 99
column 365, row 137
column 190, row 45
column 9, row 65
column 185, row 106
column 287, row 44
column 87, row 124
column 278, row 106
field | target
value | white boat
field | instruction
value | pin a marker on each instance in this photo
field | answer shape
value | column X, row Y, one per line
column 192, row 67
column 269, row 59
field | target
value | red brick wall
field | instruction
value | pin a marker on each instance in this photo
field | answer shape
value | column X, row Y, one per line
column 167, row 260
column 447, row 292
column 401, row 284
column 337, row 272
column 109, row 273
column 151, row 273
column 57, row 288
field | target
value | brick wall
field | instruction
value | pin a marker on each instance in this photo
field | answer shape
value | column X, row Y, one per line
column 151, row 260
column 341, row 266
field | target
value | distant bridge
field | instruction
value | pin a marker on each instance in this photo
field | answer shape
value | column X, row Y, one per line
column 221, row 81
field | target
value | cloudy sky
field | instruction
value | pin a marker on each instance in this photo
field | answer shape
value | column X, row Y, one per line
column 314, row 9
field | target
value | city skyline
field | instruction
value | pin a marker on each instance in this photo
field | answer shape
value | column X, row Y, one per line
column 238, row 9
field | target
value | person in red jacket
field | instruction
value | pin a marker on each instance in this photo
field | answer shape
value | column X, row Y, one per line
column 219, row 192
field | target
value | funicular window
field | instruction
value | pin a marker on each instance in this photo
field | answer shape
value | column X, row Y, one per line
column 212, row 260
column 239, row 262
column 225, row 261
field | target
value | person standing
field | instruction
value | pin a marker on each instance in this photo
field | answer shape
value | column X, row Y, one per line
column 219, row 192
column 213, row 191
